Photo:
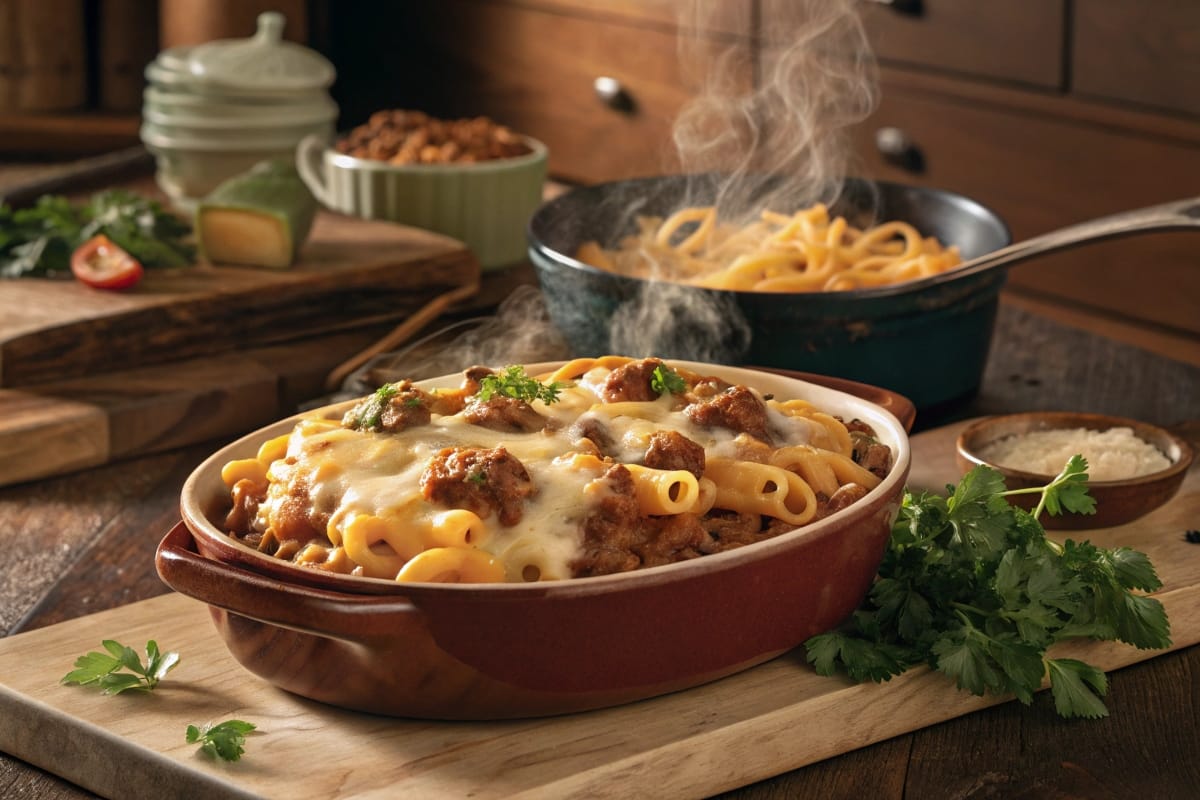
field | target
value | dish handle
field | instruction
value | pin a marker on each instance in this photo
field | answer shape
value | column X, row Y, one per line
column 335, row 615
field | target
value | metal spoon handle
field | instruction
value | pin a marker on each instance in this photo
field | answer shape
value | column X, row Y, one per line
column 1168, row 216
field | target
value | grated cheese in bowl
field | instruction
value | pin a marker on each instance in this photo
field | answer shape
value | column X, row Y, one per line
column 1113, row 454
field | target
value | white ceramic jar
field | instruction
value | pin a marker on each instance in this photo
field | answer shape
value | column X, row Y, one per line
column 214, row 110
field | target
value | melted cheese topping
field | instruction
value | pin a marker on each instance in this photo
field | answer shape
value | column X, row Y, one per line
column 348, row 473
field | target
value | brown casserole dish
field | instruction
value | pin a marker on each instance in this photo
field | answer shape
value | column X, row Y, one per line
column 500, row 650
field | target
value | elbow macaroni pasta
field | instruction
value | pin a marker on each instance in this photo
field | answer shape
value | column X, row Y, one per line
column 807, row 251
column 329, row 495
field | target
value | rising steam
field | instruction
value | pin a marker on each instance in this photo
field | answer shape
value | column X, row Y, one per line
column 520, row 332
column 815, row 79
column 780, row 144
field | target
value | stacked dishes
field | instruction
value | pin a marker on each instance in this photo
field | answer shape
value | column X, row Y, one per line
column 214, row 110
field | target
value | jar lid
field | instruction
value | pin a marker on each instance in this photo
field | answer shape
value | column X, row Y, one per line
column 264, row 62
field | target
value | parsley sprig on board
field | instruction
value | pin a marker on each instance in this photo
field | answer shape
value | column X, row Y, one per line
column 225, row 740
column 971, row 586
column 104, row 669
column 513, row 382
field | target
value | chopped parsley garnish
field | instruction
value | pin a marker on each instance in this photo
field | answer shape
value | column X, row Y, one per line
column 225, row 740
column 104, row 669
column 368, row 414
column 478, row 478
column 971, row 586
column 664, row 379
column 513, row 382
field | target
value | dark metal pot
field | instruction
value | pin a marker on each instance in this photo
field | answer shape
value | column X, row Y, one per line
column 926, row 339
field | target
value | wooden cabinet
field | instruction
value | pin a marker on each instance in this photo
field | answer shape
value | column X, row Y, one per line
column 1049, row 111
column 1041, row 170
column 1044, row 155
column 600, row 83
column 1014, row 40
column 1145, row 53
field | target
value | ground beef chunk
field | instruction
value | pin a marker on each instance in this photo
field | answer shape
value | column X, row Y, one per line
column 868, row 452
column 705, row 388
column 673, row 450
column 247, row 495
column 631, row 382
column 473, row 378
column 608, row 529
column 730, row 529
column 409, row 410
column 393, row 408
column 676, row 537
column 294, row 516
column 617, row 538
column 736, row 408
column 501, row 413
column 844, row 497
column 594, row 431
column 479, row 480
column 856, row 425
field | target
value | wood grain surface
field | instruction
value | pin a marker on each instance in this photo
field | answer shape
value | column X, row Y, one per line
column 351, row 273
column 81, row 543
column 59, row 427
column 764, row 721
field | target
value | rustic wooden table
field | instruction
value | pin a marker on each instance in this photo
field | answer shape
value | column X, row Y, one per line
column 85, row 542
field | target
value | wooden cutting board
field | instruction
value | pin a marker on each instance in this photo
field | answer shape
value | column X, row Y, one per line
column 351, row 273
column 59, row 427
column 762, row 722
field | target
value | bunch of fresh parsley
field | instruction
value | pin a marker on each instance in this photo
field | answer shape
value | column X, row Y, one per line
column 38, row 241
column 971, row 586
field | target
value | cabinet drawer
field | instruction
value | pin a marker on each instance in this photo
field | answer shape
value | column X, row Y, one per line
column 536, row 70
column 1041, row 173
column 1122, row 52
column 1013, row 40
column 728, row 16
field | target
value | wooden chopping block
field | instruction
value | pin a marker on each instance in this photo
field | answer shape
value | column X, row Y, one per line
column 64, row 426
column 352, row 274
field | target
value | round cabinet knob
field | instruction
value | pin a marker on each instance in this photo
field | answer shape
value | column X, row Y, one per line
column 899, row 150
column 912, row 8
column 613, row 94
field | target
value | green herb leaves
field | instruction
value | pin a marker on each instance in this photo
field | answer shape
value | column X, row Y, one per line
column 971, row 586
column 367, row 415
column 225, row 740
column 103, row 669
column 513, row 382
column 664, row 380
column 38, row 241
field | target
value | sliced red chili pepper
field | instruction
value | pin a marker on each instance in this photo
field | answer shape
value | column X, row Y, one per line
column 100, row 263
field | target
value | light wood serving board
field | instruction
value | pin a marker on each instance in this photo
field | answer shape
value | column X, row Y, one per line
column 762, row 722
column 351, row 273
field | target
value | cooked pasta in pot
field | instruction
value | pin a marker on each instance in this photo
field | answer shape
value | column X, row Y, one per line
column 807, row 251
column 603, row 466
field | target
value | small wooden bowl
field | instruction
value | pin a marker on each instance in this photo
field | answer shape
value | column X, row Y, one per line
column 1117, row 502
